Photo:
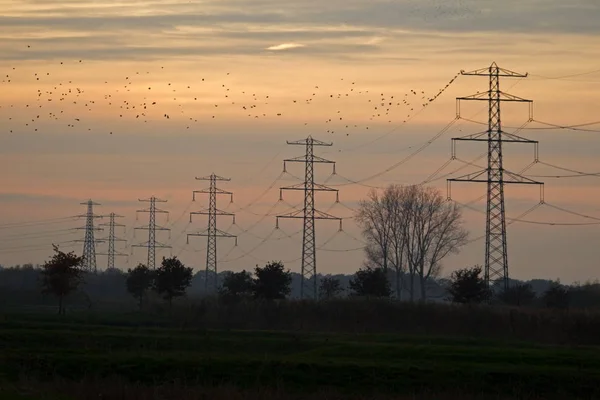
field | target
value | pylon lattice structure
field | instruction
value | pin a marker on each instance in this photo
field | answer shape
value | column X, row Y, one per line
column 495, row 175
column 212, row 232
column 111, row 239
column 152, row 227
column 308, row 213
column 89, row 241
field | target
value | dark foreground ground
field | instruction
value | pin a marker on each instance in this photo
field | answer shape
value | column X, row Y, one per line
column 54, row 358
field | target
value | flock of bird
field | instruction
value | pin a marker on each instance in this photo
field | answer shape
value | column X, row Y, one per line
column 145, row 97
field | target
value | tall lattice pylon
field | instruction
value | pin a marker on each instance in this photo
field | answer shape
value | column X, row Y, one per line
column 212, row 232
column 152, row 227
column 495, row 175
column 308, row 213
column 89, row 242
column 111, row 239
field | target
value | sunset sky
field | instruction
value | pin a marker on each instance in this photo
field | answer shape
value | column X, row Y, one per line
column 122, row 100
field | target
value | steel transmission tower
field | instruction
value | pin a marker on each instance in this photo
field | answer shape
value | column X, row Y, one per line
column 89, row 242
column 112, row 238
column 212, row 232
column 495, row 175
column 152, row 227
column 308, row 213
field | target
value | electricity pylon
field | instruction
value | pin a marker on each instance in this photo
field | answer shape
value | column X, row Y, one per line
column 308, row 213
column 212, row 232
column 152, row 227
column 89, row 242
column 495, row 175
column 111, row 239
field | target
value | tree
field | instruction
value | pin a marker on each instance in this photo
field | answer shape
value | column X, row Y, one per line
column 329, row 288
column 370, row 282
column 171, row 279
column 272, row 281
column 520, row 294
column 413, row 226
column 381, row 220
column 236, row 285
column 139, row 281
column 433, row 229
column 61, row 275
column 557, row 296
column 468, row 287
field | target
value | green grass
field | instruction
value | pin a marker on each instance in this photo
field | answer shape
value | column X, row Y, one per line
column 299, row 362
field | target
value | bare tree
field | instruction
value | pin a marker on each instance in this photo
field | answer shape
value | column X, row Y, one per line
column 374, row 219
column 410, row 228
column 381, row 217
column 433, row 229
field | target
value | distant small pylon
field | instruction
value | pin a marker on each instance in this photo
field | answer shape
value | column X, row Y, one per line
column 89, row 242
column 112, row 238
column 152, row 244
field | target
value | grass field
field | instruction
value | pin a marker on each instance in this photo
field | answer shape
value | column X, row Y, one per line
column 68, row 356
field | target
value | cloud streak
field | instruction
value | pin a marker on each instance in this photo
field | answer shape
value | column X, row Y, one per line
column 285, row 46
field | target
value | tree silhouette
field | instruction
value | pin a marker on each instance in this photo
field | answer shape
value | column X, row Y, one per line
column 171, row 279
column 272, row 282
column 521, row 294
column 139, row 281
column 557, row 296
column 370, row 282
column 61, row 275
column 468, row 287
column 236, row 285
column 329, row 288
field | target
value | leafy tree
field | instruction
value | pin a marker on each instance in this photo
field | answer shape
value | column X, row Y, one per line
column 61, row 275
column 468, row 287
column 329, row 288
column 521, row 294
column 272, row 281
column 139, row 281
column 171, row 279
column 237, row 285
column 557, row 296
column 370, row 282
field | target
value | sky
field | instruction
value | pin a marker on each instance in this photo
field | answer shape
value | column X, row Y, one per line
column 118, row 101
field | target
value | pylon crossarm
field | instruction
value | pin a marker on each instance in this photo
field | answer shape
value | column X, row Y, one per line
column 199, row 233
column 293, row 214
column 479, row 136
column 324, row 215
column 323, row 188
column 511, row 137
column 298, row 186
column 472, row 177
column 220, row 233
column 501, row 72
column 511, row 177
column 484, row 96
column 211, row 177
column 309, row 140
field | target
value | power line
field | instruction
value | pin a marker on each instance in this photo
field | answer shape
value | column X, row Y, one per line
column 13, row 225
column 567, row 76
column 402, row 161
column 429, row 101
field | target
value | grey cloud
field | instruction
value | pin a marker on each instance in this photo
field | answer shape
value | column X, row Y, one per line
column 447, row 15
